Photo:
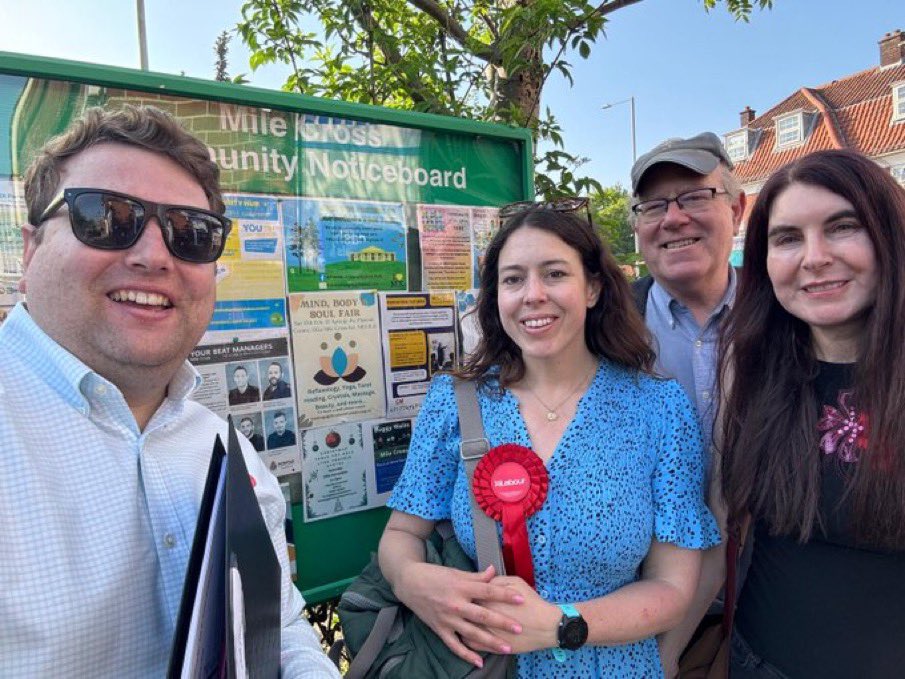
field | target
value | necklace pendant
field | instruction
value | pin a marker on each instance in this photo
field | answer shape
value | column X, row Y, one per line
column 551, row 415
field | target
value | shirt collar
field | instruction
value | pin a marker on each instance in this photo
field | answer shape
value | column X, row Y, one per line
column 664, row 300
column 65, row 373
column 728, row 298
column 184, row 382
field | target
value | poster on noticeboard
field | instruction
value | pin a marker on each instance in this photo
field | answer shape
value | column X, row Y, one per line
column 419, row 340
column 339, row 375
column 252, row 381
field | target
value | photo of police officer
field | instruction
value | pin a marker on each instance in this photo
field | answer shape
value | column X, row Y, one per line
column 250, row 426
column 243, row 383
column 280, row 430
column 277, row 379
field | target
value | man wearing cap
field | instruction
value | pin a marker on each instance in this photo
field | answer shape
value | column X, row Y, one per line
column 687, row 207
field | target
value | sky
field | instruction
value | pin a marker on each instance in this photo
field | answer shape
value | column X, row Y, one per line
column 688, row 70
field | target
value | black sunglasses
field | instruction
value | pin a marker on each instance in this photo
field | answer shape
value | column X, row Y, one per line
column 108, row 220
column 570, row 204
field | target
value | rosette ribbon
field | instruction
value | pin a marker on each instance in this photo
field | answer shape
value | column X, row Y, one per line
column 510, row 484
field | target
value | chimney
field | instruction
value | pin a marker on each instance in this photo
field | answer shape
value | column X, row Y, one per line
column 747, row 116
column 892, row 49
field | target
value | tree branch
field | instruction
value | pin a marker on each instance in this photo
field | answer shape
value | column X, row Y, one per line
column 391, row 54
column 602, row 9
column 453, row 28
column 490, row 25
column 287, row 46
column 611, row 6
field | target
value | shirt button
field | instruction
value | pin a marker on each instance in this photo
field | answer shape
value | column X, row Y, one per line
column 541, row 539
column 169, row 540
column 706, row 395
column 698, row 343
column 100, row 389
column 544, row 594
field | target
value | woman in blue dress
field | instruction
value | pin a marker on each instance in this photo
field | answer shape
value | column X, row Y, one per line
column 564, row 368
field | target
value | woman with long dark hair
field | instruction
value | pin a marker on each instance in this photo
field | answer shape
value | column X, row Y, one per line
column 812, row 428
column 563, row 368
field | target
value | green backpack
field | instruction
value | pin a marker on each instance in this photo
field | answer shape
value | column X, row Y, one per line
column 402, row 646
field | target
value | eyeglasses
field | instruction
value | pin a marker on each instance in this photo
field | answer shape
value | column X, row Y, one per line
column 570, row 204
column 108, row 220
column 690, row 202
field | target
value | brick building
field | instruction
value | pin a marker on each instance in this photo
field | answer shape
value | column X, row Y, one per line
column 864, row 111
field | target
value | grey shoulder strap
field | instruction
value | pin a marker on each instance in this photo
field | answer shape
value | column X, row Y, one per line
column 375, row 642
column 472, row 448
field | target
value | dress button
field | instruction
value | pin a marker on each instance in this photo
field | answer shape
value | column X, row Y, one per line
column 541, row 539
column 698, row 343
column 544, row 594
column 169, row 540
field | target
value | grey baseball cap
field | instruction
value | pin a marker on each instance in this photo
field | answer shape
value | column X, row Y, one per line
column 700, row 153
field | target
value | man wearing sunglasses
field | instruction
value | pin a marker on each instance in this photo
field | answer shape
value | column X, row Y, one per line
column 687, row 207
column 103, row 456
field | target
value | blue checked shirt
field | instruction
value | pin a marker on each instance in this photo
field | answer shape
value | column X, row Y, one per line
column 97, row 519
column 686, row 351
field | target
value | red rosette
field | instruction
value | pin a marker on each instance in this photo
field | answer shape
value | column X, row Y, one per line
column 510, row 484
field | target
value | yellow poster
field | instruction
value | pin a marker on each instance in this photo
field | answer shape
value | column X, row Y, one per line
column 252, row 263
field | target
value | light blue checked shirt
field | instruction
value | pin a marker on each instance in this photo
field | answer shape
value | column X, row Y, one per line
column 97, row 519
column 686, row 351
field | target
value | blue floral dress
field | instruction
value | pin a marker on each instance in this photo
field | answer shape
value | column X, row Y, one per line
column 628, row 470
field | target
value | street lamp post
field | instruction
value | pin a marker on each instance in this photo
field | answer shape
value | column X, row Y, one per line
column 631, row 102
column 142, row 35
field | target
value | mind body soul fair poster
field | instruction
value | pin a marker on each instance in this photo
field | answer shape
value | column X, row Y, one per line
column 339, row 373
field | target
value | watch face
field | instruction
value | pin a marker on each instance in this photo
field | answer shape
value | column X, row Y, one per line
column 573, row 633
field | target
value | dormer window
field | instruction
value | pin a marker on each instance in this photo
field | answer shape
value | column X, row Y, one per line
column 737, row 146
column 898, row 101
column 789, row 130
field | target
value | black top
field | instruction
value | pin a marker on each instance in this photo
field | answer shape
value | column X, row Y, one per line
column 280, row 390
column 257, row 441
column 251, row 395
column 640, row 288
column 274, row 440
column 827, row 608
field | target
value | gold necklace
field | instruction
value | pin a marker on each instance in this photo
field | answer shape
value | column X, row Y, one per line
column 552, row 415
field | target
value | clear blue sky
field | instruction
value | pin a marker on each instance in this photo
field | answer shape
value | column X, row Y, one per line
column 688, row 70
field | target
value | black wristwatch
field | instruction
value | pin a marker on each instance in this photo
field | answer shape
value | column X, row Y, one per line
column 572, row 633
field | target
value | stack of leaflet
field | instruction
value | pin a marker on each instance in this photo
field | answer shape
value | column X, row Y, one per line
column 229, row 617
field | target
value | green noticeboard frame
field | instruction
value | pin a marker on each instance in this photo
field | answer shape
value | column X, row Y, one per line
column 329, row 552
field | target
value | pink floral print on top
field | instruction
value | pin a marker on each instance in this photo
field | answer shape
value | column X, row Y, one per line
column 844, row 429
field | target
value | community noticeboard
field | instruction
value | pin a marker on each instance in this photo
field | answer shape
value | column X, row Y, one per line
column 335, row 206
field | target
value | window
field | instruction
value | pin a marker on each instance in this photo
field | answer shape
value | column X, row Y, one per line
column 737, row 146
column 789, row 130
column 898, row 101
column 898, row 173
